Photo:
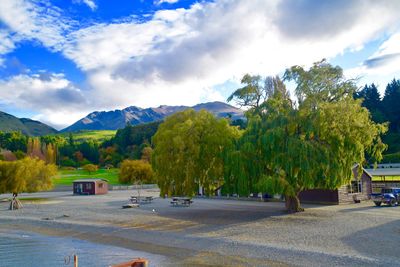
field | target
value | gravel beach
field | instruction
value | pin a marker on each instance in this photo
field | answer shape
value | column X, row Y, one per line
column 214, row 232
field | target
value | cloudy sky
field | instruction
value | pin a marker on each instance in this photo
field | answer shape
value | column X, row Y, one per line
column 62, row 59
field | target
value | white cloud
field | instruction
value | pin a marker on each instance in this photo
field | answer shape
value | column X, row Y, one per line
column 156, row 62
column 49, row 94
column 159, row 2
column 31, row 21
column 90, row 3
column 178, row 56
column 381, row 66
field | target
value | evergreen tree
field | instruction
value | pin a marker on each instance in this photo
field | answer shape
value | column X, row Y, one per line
column 391, row 104
column 372, row 101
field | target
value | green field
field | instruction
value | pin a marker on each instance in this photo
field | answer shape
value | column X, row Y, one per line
column 99, row 135
column 66, row 177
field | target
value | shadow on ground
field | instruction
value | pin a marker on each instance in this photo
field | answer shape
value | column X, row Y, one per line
column 215, row 212
column 378, row 242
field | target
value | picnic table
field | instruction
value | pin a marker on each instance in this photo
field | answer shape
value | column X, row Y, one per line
column 137, row 199
column 183, row 201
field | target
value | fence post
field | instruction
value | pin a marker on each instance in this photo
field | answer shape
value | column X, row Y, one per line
column 75, row 260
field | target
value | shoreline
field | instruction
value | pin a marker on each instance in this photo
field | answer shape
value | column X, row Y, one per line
column 218, row 232
column 177, row 256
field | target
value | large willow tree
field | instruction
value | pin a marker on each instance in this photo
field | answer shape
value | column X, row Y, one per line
column 25, row 175
column 188, row 152
column 289, row 148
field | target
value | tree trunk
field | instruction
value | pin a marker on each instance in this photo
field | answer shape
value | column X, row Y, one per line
column 293, row 204
column 15, row 203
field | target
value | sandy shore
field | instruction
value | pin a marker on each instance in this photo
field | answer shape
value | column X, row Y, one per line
column 219, row 232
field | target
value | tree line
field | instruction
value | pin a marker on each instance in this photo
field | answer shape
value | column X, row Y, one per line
column 132, row 142
column 385, row 109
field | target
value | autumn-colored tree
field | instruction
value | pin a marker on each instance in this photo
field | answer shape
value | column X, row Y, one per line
column 78, row 157
column 34, row 148
column 26, row 175
column 90, row 168
column 146, row 154
column 50, row 153
column 110, row 156
column 135, row 172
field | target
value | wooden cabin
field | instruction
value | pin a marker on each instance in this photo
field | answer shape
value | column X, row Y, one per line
column 386, row 175
column 90, row 187
column 357, row 190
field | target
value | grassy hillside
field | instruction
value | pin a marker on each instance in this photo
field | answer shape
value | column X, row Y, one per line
column 98, row 135
column 36, row 128
column 66, row 177
column 10, row 123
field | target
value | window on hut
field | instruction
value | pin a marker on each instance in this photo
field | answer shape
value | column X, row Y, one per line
column 354, row 187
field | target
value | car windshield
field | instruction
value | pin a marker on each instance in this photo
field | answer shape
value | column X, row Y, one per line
column 387, row 190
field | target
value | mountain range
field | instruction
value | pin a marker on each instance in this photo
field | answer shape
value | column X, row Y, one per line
column 113, row 120
column 26, row 126
column 117, row 119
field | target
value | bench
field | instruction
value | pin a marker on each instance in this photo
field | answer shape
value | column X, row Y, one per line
column 181, row 201
column 136, row 199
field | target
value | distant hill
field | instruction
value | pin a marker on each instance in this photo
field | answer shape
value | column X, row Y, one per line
column 30, row 127
column 117, row 119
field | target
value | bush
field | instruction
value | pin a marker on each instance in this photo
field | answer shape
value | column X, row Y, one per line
column 135, row 171
column 68, row 162
column 90, row 168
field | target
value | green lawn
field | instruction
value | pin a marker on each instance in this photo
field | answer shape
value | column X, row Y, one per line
column 66, row 177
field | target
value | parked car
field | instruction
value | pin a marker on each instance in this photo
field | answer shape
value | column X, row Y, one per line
column 388, row 195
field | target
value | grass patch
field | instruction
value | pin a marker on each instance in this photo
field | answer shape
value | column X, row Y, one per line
column 66, row 177
column 99, row 135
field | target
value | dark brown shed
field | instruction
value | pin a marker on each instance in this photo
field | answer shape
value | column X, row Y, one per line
column 357, row 190
column 90, row 187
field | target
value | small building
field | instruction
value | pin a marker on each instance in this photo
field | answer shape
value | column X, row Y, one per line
column 386, row 176
column 90, row 187
column 357, row 190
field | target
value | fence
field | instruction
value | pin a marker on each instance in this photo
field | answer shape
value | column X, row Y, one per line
column 132, row 187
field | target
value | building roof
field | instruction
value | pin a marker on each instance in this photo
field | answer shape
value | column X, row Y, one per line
column 90, row 180
column 386, row 165
column 384, row 172
column 355, row 171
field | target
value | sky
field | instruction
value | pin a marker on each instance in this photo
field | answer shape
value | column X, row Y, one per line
column 62, row 59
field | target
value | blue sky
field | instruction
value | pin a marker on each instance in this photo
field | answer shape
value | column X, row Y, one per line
column 60, row 60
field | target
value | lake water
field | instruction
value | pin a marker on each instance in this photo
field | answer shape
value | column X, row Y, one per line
column 34, row 250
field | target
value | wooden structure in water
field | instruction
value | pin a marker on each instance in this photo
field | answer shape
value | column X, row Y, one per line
column 140, row 262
